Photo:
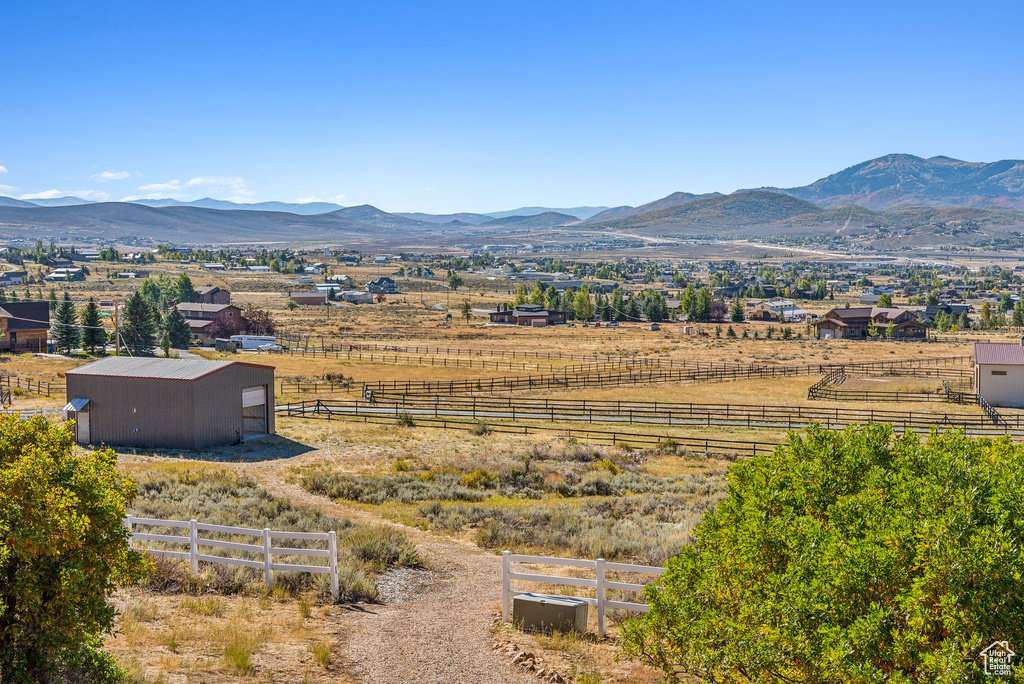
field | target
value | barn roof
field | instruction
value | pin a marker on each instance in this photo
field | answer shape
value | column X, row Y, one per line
column 999, row 353
column 163, row 369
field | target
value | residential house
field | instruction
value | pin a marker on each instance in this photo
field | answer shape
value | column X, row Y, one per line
column 10, row 278
column 201, row 316
column 340, row 279
column 213, row 266
column 533, row 315
column 260, row 269
column 211, row 294
column 58, row 262
column 24, row 326
column 308, row 298
column 355, row 296
column 932, row 311
column 382, row 285
column 62, row 275
column 854, row 323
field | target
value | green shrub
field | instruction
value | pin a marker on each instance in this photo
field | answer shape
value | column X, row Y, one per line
column 63, row 551
column 480, row 478
column 848, row 557
column 405, row 419
column 480, row 429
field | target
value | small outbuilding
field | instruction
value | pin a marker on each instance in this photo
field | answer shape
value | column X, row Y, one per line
column 170, row 403
column 999, row 373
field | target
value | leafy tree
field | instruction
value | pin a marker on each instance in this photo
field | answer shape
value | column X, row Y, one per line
column 1018, row 314
column 884, row 300
column 890, row 330
column 520, row 297
column 224, row 326
column 93, row 333
column 176, row 329
column 152, row 291
column 736, row 311
column 139, row 327
column 454, row 281
column 1005, row 303
column 616, row 305
column 63, row 550
column 467, row 311
column 583, row 305
column 259, row 321
column 537, row 296
column 65, row 331
column 552, row 299
column 986, row 315
column 854, row 556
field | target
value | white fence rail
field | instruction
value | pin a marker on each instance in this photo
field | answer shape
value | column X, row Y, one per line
column 600, row 583
column 265, row 547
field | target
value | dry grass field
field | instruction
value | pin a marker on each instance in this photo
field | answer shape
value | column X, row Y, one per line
column 422, row 512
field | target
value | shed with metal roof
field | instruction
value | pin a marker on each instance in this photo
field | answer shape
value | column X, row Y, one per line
column 999, row 373
column 170, row 403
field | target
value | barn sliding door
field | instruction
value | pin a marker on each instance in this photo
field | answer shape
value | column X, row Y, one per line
column 254, row 411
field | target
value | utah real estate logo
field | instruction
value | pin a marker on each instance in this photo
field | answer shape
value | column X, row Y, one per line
column 997, row 659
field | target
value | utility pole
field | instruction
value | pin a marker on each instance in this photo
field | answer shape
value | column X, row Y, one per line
column 117, row 331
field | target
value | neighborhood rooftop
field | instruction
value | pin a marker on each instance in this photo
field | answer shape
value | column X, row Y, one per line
column 168, row 369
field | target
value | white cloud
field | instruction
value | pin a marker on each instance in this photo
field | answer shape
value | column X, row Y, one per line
column 3, row 169
column 104, row 176
column 233, row 188
column 336, row 199
column 95, row 195
column 8, row 189
column 45, row 194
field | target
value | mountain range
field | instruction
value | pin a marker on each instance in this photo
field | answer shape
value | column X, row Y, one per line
column 897, row 192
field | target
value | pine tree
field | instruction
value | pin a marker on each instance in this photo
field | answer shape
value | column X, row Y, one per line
column 139, row 329
column 736, row 311
column 93, row 334
column 53, row 299
column 176, row 329
column 1018, row 314
column 65, row 328
column 183, row 290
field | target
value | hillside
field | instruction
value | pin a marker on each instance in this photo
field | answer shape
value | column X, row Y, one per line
column 667, row 202
column 549, row 219
column 11, row 202
column 301, row 208
column 738, row 209
column 194, row 225
column 465, row 218
column 575, row 212
column 899, row 180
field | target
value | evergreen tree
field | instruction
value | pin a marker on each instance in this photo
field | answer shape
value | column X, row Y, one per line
column 65, row 328
column 139, row 328
column 176, row 329
column 183, row 290
column 53, row 300
column 1018, row 314
column 736, row 311
column 93, row 334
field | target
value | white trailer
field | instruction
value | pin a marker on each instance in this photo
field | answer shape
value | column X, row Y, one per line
column 253, row 341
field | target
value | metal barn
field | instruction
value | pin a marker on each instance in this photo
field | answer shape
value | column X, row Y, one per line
column 170, row 403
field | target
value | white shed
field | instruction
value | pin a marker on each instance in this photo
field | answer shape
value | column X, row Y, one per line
column 999, row 373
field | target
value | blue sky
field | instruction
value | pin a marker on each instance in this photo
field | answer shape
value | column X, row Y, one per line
column 439, row 106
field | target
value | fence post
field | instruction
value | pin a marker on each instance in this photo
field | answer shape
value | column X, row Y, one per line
column 128, row 524
column 600, row 596
column 193, row 546
column 332, row 545
column 506, row 587
column 268, row 574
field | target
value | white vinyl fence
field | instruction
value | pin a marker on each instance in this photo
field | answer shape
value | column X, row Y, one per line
column 600, row 583
column 265, row 547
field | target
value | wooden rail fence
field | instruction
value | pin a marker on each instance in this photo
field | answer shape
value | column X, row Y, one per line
column 367, row 414
column 600, row 584
column 481, row 407
column 264, row 548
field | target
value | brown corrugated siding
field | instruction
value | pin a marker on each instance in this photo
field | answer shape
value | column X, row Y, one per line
column 177, row 414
